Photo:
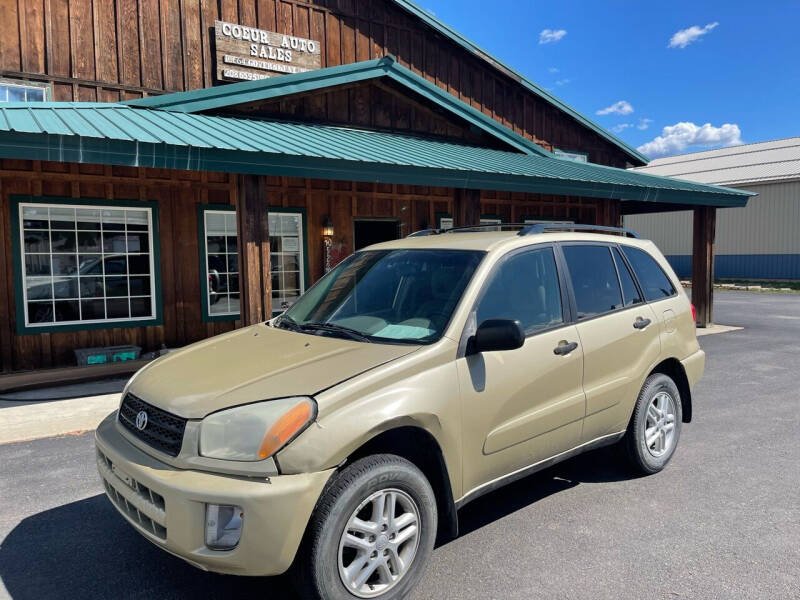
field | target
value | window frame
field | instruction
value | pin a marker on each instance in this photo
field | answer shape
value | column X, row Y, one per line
column 36, row 85
column 203, row 252
column 202, row 209
column 631, row 270
column 572, row 299
column 565, row 154
column 17, row 238
column 301, row 210
column 675, row 285
column 566, row 306
column 627, row 265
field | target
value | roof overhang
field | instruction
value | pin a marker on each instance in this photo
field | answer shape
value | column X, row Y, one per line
column 115, row 134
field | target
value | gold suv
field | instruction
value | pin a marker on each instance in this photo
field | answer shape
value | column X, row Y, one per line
column 341, row 437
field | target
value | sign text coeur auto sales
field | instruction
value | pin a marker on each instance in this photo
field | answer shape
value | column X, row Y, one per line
column 246, row 53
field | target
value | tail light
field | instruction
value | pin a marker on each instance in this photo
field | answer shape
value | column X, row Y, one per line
column 694, row 313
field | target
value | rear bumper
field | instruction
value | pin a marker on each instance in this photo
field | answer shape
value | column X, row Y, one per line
column 694, row 365
column 167, row 506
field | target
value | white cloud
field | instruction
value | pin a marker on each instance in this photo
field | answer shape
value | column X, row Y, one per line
column 644, row 124
column 622, row 107
column 621, row 127
column 684, row 37
column 547, row 36
column 563, row 81
column 674, row 139
column 552, row 70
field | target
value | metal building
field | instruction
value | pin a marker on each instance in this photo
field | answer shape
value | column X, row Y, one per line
column 759, row 241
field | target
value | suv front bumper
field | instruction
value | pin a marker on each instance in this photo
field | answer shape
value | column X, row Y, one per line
column 167, row 506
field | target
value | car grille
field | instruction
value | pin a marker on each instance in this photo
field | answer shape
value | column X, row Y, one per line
column 164, row 431
column 145, row 507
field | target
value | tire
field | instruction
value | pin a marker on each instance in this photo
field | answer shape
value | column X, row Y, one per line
column 647, row 458
column 356, row 491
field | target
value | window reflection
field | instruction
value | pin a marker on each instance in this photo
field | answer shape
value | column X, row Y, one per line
column 86, row 264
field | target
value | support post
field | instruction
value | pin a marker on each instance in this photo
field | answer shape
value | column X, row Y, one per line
column 255, row 279
column 705, row 222
column 466, row 207
column 608, row 213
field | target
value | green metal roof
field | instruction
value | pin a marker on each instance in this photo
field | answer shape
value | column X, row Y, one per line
column 118, row 134
column 470, row 46
column 245, row 92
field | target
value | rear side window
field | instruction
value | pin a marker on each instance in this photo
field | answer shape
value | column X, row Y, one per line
column 524, row 287
column 630, row 294
column 594, row 279
column 655, row 283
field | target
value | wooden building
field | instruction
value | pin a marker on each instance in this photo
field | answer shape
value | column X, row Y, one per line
column 267, row 138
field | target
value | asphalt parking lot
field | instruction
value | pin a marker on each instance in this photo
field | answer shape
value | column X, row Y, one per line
column 722, row 521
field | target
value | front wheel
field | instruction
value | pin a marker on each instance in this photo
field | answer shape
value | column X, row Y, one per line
column 371, row 533
column 655, row 426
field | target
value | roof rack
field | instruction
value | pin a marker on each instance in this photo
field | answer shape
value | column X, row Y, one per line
column 544, row 227
column 466, row 228
column 528, row 229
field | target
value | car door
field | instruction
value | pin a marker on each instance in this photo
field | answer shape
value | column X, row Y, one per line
column 525, row 405
column 617, row 330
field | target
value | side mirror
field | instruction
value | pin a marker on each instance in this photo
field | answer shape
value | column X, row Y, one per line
column 498, row 334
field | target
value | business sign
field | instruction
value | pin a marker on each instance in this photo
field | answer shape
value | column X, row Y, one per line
column 247, row 53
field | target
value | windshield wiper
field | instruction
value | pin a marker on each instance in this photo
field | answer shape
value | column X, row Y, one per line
column 334, row 328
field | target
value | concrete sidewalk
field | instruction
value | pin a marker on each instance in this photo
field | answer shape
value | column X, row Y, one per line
column 21, row 421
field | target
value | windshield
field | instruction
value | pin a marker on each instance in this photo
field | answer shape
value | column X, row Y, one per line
column 387, row 295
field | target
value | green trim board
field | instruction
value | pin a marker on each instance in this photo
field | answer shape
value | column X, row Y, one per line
column 219, row 97
column 304, row 222
column 473, row 48
column 16, row 251
column 120, row 135
column 201, row 248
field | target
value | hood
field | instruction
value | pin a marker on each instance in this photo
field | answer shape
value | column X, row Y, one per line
column 252, row 364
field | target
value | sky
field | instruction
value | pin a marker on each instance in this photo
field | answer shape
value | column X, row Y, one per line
column 665, row 77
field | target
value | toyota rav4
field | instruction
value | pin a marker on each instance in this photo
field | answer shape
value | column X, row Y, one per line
column 341, row 437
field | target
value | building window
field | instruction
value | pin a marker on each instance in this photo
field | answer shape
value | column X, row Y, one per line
column 570, row 155
column 11, row 91
column 86, row 263
column 446, row 221
column 287, row 257
column 220, row 260
column 219, row 240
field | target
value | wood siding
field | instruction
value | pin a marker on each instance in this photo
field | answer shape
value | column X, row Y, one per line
column 374, row 105
column 107, row 50
column 177, row 194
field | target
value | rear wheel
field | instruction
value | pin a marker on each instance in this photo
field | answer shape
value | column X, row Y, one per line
column 655, row 426
column 371, row 533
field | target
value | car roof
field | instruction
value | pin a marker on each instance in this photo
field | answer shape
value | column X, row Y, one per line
column 499, row 241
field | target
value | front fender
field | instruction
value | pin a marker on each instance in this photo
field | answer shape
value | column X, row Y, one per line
column 353, row 414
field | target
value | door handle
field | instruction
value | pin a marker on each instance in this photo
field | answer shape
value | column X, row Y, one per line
column 565, row 348
column 641, row 323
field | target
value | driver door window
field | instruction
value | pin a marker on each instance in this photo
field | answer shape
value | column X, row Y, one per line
column 525, row 287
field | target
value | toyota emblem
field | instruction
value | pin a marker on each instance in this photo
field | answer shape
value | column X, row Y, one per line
column 141, row 420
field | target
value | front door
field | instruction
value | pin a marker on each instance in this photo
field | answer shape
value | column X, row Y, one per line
column 619, row 334
column 525, row 405
column 373, row 231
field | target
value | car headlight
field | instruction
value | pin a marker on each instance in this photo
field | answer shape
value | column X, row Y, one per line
column 255, row 431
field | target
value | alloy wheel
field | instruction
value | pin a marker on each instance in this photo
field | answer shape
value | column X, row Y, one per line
column 659, row 428
column 379, row 543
